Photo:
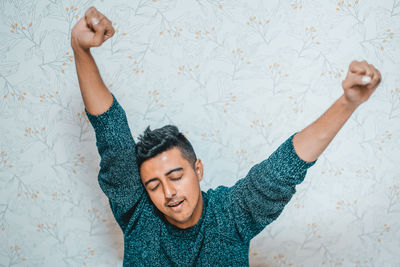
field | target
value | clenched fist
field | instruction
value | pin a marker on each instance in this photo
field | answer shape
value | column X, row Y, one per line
column 361, row 81
column 91, row 31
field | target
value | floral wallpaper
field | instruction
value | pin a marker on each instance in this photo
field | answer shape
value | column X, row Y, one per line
column 238, row 78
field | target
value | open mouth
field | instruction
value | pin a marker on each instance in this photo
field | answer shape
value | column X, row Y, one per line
column 176, row 205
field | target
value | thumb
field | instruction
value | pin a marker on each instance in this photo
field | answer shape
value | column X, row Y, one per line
column 365, row 80
column 99, row 31
column 356, row 80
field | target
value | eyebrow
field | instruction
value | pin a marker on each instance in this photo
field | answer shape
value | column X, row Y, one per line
column 168, row 173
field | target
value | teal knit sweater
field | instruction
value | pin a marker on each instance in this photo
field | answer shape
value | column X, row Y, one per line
column 231, row 216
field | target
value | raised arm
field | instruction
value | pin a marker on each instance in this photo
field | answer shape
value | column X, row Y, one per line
column 312, row 141
column 259, row 198
column 91, row 31
column 119, row 175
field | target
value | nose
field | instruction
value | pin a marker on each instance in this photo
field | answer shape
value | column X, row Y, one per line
column 169, row 190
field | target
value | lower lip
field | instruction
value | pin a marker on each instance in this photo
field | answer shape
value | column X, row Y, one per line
column 177, row 208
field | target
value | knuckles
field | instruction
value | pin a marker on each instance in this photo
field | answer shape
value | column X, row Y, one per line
column 378, row 79
column 91, row 10
column 354, row 63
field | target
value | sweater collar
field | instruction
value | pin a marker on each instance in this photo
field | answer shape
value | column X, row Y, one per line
column 188, row 232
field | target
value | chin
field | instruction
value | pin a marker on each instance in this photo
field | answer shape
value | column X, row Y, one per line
column 181, row 218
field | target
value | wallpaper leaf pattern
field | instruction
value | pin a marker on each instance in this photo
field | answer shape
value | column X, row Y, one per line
column 237, row 78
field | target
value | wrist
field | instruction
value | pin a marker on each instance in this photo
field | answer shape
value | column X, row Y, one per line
column 77, row 49
column 348, row 104
column 81, row 52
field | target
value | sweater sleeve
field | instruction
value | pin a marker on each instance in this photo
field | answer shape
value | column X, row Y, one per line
column 119, row 176
column 259, row 198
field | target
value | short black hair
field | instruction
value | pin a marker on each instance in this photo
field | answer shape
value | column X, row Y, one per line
column 153, row 142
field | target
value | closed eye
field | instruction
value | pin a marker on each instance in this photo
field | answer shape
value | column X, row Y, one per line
column 154, row 189
column 173, row 179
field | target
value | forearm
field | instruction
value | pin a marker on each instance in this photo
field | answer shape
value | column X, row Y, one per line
column 313, row 140
column 96, row 97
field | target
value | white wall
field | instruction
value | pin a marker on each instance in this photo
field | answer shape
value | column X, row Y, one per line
column 238, row 78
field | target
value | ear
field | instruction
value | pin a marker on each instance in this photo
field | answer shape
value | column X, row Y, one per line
column 198, row 168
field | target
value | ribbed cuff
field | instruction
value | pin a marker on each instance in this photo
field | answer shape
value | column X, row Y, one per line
column 297, row 164
column 102, row 119
column 284, row 162
column 112, row 125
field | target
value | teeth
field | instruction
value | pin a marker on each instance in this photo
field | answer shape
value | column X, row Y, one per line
column 174, row 205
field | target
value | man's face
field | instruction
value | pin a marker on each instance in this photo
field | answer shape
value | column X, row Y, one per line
column 169, row 178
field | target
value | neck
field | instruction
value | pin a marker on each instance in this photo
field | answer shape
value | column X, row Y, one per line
column 194, row 219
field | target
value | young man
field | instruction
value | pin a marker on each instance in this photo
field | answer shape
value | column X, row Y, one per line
column 153, row 187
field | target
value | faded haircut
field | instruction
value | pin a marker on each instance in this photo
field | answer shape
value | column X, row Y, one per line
column 153, row 142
